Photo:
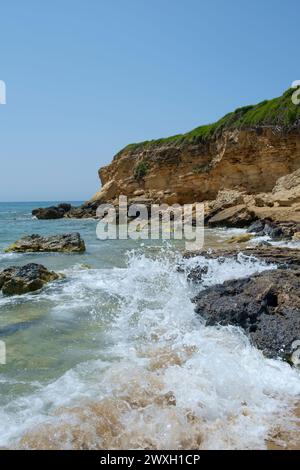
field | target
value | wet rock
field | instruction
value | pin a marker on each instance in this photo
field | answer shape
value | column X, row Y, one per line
column 86, row 210
column 65, row 207
column 263, row 243
column 237, row 216
column 287, row 189
column 266, row 306
column 52, row 212
column 29, row 278
column 256, row 227
column 273, row 231
column 196, row 274
column 67, row 242
column 243, row 238
column 270, row 228
column 282, row 257
column 295, row 353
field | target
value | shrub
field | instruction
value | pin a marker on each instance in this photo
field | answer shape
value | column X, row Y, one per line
column 140, row 170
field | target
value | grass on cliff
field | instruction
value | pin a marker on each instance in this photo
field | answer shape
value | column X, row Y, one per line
column 276, row 112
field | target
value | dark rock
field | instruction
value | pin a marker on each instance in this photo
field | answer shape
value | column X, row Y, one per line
column 266, row 306
column 67, row 242
column 262, row 227
column 46, row 213
column 20, row 280
column 282, row 257
column 86, row 210
column 263, row 243
column 273, row 231
column 257, row 227
column 196, row 274
column 65, row 207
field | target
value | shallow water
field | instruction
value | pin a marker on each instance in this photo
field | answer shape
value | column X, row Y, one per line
column 113, row 356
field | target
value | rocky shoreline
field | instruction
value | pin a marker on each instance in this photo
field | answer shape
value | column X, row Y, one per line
column 265, row 305
column 246, row 176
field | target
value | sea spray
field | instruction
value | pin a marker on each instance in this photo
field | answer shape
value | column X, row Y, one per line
column 166, row 381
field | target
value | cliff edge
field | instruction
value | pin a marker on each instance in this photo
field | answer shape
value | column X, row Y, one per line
column 247, row 150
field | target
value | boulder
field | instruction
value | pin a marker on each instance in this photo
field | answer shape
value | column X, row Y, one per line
column 270, row 228
column 236, row 216
column 46, row 213
column 227, row 198
column 266, row 306
column 296, row 236
column 52, row 212
column 273, row 231
column 67, row 243
column 256, row 227
column 29, row 278
column 287, row 189
column 107, row 193
column 139, row 192
column 86, row 210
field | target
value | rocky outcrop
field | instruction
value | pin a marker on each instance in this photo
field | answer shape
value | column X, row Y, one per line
column 29, row 278
column 286, row 191
column 266, row 306
column 242, row 162
column 236, row 216
column 282, row 257
column 86, row 210
column 66, row 243
column 52, row 212
column 186, row 172
column 246, row 164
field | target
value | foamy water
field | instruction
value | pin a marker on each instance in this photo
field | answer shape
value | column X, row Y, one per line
column 164, row 380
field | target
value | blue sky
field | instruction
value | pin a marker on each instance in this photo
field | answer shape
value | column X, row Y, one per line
column 85, row 78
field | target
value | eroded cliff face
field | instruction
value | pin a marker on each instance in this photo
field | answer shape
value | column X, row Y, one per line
column 250, row 161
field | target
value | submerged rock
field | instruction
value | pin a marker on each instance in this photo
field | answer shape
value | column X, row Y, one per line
column 29, row 278
column 67, row 242
column 266, row 306
column 243, row 238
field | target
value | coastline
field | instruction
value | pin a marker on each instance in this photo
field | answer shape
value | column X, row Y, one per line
column 100, row 284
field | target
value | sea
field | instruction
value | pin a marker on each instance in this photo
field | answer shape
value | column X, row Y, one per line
column 113, row 356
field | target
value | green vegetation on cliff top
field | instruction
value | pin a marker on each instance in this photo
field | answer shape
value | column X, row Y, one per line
column 276, row 112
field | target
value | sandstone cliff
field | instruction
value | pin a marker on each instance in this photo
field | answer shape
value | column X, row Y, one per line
column 248, row 160
column 247, row 150
column 246, row 166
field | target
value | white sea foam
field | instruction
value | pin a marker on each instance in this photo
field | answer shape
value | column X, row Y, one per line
column 169, row 382
column 9, row 256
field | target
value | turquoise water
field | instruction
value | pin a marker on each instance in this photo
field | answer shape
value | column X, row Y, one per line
column 92, row 357
column 67, row 333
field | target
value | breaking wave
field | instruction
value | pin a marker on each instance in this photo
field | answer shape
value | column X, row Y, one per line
column 165, row 380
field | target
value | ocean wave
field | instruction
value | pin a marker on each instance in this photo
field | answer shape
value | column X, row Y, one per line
column 9, row 256
column 170, row 382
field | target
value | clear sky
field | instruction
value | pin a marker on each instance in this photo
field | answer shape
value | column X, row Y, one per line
column 85, row 78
